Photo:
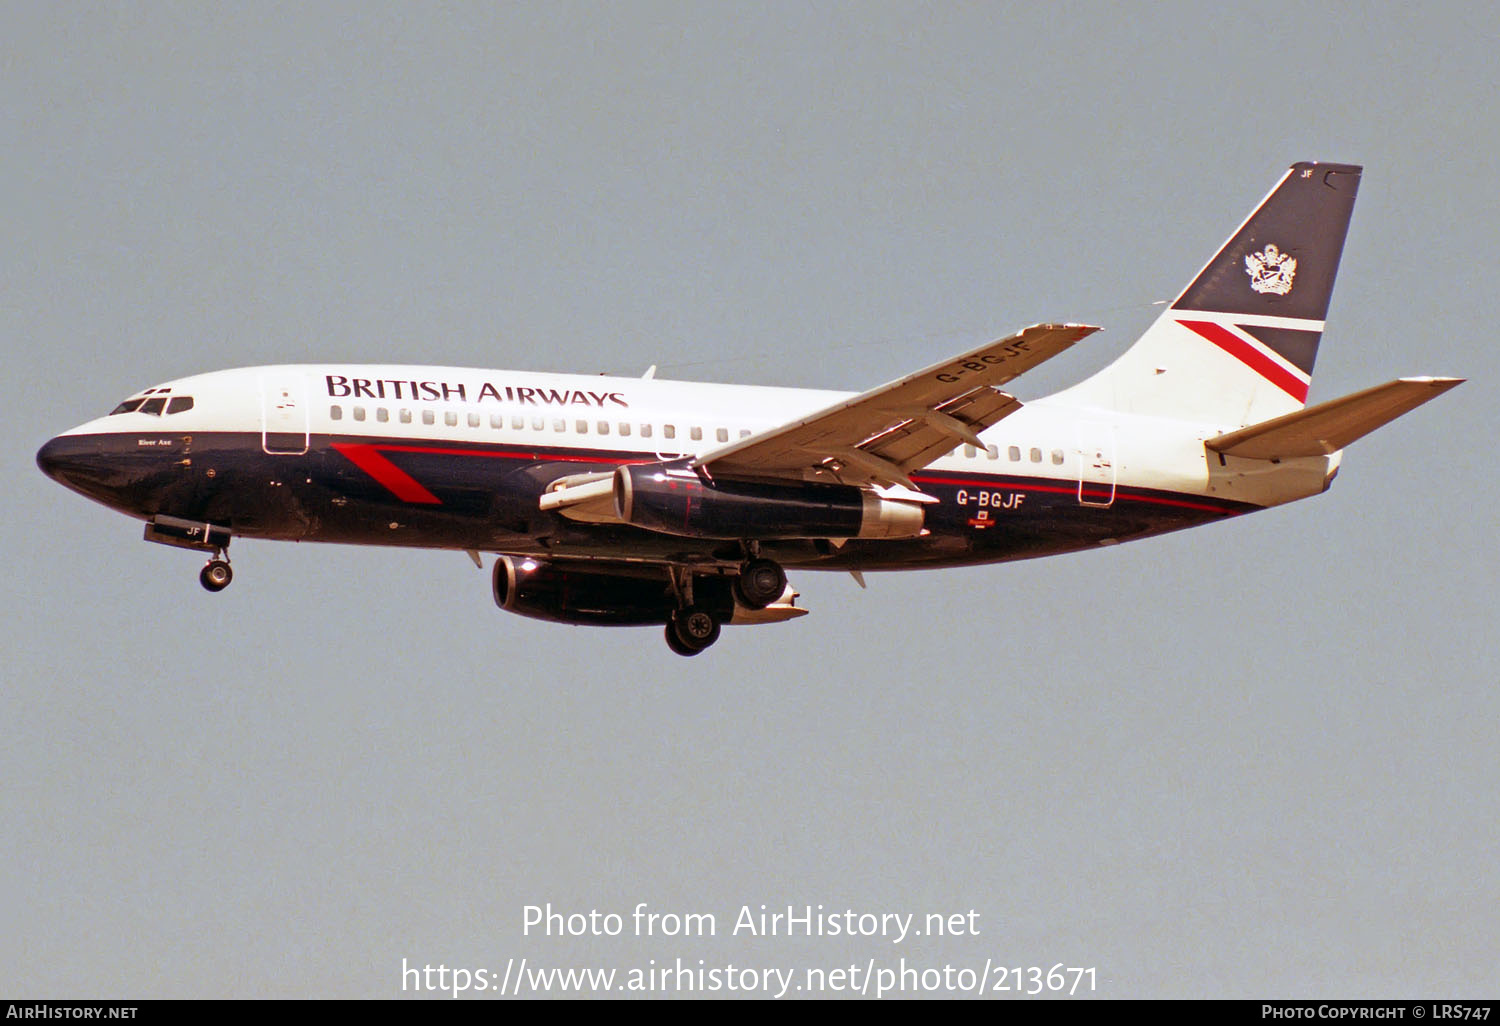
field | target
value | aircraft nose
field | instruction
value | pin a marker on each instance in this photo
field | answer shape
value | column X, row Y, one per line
column 67, row 459
column 99, row 466
column 50, row 457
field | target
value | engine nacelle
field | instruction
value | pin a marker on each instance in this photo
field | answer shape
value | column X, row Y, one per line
column 674, row 500
column 573, row 593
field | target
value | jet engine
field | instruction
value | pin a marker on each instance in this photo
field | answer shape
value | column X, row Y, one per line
column 574, row 593
column 675, row 500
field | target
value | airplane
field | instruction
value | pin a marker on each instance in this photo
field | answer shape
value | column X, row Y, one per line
column 641, row 501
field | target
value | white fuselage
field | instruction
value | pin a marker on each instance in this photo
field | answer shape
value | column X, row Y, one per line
column 1048, row 439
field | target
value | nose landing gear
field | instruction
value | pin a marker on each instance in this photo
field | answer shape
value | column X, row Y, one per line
column 216, row 574
column 190, row 534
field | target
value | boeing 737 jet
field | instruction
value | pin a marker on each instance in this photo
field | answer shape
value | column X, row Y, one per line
column 639, row 501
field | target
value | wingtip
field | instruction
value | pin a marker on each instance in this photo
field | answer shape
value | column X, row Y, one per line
column 1326, row 165
column 1436, row 382
column 1081, row 329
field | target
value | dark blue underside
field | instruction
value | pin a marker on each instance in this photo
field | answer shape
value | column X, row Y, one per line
column 487, row 500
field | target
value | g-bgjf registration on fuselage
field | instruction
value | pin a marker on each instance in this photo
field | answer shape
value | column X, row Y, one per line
column 638, row 501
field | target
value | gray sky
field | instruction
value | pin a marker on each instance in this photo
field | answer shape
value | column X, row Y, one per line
column 1257, row 758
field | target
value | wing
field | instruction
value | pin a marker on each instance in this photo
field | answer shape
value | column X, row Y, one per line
column 881, row 436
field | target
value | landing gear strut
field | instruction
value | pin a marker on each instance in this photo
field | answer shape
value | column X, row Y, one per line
column 691, row 627
column 216, row 573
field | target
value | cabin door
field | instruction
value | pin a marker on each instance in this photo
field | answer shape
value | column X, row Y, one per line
column 1096, row 464
column 284, row 414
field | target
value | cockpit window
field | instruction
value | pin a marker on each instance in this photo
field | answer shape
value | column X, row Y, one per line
column 155, row 405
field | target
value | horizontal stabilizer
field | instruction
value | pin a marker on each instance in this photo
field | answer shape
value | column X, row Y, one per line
column 1328, row 427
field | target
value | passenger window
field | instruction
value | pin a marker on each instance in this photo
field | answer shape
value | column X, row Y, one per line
column 1057, row 457
column 624, row 429
column 583, row 427
column 335, row 412
column 669, row 430
column 153, row 406
column 382, row 414
column 559, row 425
column 180, row 404
column 1036, row 455
column 405, row 416
column 992, row 451
column 451, row 418
column 359, row 413
column 744, row 432
column 428, row 418
column 1014, row 452
column 516, row 423
column 968, row 452
column 645, row 430
column 604, row 427
column 538, row 423
column 722, row 434
column 697, row 434
column 497, row 421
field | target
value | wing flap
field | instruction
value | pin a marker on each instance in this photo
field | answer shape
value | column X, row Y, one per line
column 1328, row 427
column 929, row 434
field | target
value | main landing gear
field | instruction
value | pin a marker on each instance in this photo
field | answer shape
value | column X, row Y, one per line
column 761, row 582
column 691, row 628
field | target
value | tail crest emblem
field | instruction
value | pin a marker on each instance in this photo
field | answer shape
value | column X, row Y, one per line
column 1271, row 271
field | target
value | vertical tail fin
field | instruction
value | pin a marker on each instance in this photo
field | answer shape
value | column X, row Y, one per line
column 1238, row 345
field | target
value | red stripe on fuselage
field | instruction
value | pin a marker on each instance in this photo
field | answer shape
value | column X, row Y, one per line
column 369, row 459
column 1250, row 357
column 500, row 454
